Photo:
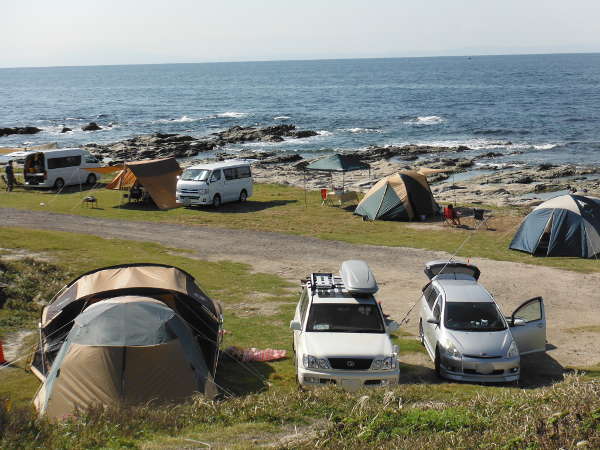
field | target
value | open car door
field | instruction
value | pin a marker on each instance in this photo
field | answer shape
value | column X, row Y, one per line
column 528, row 326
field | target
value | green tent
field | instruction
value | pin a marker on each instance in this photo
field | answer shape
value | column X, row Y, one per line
column 402, row 196
column 338, row 163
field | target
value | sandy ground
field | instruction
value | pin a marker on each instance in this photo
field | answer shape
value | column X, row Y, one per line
column 571, row 298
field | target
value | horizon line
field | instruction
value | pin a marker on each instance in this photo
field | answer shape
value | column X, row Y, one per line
column 472, row 55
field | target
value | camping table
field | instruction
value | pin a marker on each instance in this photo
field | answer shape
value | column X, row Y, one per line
column 342, row 197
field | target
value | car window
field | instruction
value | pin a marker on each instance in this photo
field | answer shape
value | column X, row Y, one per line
column 530, row 312
column 216, row 175
column 345, row 318
column 473, row 316
column 66, row 161
column 430, row 294
column 303, row 304
column 230, row 174
column 90, row 160
column 244, row 172
column 437, row 311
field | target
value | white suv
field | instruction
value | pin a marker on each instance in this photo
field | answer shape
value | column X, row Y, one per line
column 341, row 336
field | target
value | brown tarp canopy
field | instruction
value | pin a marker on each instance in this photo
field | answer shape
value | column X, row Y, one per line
column 157, row 176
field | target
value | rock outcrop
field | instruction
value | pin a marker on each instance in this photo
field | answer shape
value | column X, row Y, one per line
column 19, row 130
column 92, row 126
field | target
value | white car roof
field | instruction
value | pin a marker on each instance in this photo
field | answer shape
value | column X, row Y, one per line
column 220, row 165
column 464, row 291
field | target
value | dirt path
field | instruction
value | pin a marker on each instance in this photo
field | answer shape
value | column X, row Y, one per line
column 571, row 298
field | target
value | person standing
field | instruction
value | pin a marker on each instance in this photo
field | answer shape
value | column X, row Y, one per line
column 10, row 176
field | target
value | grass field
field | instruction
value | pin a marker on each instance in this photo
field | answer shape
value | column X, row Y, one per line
column 290, row 210
column 413, row 415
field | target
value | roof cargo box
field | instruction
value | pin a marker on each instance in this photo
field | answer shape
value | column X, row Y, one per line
column 357, row 277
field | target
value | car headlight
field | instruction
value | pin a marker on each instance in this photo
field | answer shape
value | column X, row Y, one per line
column 449, row 348
column 311, row 362
column 513, row 350
column 388, row 363
column 202, row 191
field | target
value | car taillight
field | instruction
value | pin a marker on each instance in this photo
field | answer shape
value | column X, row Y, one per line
column 45, row 176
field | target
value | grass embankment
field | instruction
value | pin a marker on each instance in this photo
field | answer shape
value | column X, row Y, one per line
column 412, row 415
column 283, row 209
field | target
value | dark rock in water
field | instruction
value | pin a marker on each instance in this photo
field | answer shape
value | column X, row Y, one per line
column 92, row 126
column 19, row 130
column 65, row 130
column 545, row 166
column 305, row 133
column 465, row 163
column 462, row 148
column 490, row 155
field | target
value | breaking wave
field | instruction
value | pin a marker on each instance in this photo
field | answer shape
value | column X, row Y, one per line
column 358, row 130
column 425, row 120
column 232, row 114
column 180, row 120
column 282, row 118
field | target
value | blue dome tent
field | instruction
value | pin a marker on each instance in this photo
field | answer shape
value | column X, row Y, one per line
column 568, row 225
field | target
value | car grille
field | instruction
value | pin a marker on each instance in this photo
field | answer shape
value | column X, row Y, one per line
column 483, row 356
column 350, row 363
column 188, row 191
column 474, row 372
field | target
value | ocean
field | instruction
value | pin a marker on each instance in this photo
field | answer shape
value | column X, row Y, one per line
column 530, row 108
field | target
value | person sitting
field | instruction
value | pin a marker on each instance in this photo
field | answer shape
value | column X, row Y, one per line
column 451, row 216
column 136, row 193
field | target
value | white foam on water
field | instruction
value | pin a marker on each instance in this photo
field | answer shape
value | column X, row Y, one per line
column 282, row 118
column 545, row 146
column 425, row 120
column 182, row 119
column 324, row 133
column 362, row 130
column 232, row 114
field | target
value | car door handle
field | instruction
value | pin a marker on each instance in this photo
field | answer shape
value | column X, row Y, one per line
column 540, row 325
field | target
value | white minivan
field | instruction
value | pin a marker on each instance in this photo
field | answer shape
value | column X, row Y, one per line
column 60, row 168
column 215, row 183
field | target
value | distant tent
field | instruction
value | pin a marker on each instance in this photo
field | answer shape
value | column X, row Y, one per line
column 157, row 176
column 568, row 225
column 338, row 163
column 402, row 196
column 125, row 350
column 115, row 309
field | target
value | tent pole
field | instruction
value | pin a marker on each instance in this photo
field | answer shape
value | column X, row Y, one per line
column 305, row 200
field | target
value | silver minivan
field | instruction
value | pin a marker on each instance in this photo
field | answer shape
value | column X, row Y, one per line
column 465, row 333
column 215, row 183
column 59, row 168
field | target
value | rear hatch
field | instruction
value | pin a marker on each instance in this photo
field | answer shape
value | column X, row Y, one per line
column 451, row 269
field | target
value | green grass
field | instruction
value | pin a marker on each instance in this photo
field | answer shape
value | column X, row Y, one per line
column 283, row 209
column 413, row 415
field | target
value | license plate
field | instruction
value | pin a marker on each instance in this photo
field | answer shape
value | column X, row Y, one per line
column 351, row 385
column 485, row 369
column 187, row 201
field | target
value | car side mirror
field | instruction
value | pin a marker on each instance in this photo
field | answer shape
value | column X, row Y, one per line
column 433, row 320
column 392, row 326
column 295, row 325
column 178, row 177
column 516, row 322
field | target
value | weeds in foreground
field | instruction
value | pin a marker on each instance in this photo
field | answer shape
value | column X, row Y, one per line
column 566, row 415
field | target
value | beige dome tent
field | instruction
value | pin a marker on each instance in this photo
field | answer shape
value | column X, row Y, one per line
column 121, row 335
column 403, row 196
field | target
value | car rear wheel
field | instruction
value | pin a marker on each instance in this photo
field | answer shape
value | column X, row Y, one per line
column 217, row 201
column 91, row 179
column 243, row 195
column 59, row 184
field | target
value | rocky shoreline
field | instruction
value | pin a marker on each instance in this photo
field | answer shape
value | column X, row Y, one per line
column 476, row 178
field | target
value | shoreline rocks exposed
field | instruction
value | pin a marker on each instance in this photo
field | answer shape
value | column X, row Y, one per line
column 19, row 130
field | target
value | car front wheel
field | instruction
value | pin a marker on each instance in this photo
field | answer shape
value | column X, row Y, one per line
column 91, row 179
column 436, row 362
column 243, row 196
column 59, row 184
column 217, row 201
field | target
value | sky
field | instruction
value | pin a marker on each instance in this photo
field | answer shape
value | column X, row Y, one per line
column 35, row 33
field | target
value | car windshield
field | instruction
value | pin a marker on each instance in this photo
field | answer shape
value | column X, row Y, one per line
column 473, row 316
column 344, row 318
column 195, row 175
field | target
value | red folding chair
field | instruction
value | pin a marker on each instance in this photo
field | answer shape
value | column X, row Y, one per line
column 325, row 200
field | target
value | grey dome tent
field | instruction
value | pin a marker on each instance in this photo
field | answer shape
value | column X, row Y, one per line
column 402, row 196
column 124, row 351
column 568, row 225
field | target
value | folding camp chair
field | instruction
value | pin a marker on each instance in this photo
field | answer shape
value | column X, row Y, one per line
column 324, row 198
column 479, row 218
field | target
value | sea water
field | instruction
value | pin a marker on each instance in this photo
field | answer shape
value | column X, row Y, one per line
column 530, row 108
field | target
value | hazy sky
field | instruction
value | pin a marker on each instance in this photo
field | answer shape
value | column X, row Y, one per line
column 84, row 32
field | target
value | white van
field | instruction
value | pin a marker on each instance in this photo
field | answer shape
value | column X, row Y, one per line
column 60, row 168
column 215, row 183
